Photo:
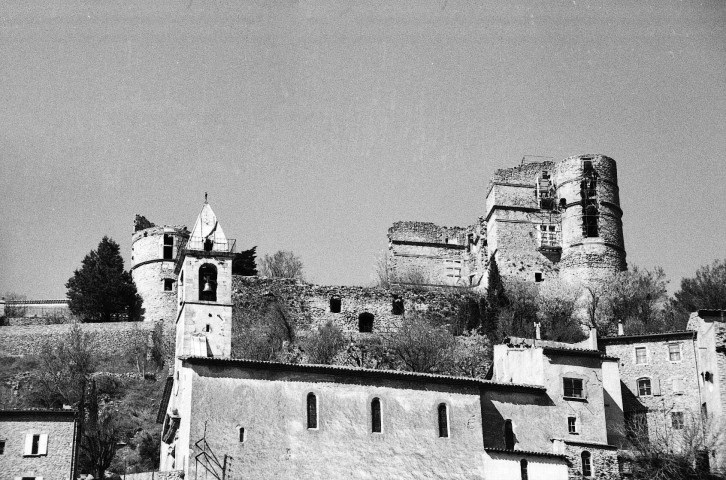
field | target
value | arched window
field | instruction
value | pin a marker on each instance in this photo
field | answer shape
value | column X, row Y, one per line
column 523, row 464
column 376, row 415
column 208, row 283
column 397, row 306
column 508, row 435
column 312, row 411
column 335, row 304
column 586, row 464
column 443, row 421
column 365, row 322
column 644, row 387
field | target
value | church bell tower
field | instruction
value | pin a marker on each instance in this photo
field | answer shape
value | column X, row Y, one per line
column 204, row 268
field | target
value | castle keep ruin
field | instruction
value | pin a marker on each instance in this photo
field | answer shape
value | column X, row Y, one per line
column 543, row 220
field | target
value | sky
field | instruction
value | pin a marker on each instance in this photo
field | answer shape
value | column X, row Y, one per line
column 314, row 125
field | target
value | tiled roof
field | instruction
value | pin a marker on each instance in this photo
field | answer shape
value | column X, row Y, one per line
column 40, row 412
column 365, row 373
column 550, row 346
column 644, row 336
column 521, row 453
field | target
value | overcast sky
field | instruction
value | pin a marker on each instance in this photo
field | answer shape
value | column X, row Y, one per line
column 315, row 125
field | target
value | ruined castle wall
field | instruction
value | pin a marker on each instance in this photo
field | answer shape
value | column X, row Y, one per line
column 309, row 305
column 426, row 232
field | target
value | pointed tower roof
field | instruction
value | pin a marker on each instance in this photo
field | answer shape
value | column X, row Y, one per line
column 207, row 229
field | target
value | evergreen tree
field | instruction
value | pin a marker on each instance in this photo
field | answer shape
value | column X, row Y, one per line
column 707, row 290
column 101, row 291
column 496, row 300
column 244, row 263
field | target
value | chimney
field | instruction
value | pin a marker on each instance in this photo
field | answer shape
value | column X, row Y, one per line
column 537, row 331
column 621, row 331
column 593, row 338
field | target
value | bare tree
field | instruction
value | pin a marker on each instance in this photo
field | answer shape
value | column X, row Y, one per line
column 324, row 344
column 471, row 355
column 281, row 264
column 100, row 435
column 421, row 346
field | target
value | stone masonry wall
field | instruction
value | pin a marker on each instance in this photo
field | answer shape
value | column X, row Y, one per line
column 604, row 462
column 113, row 338
column 309, row 305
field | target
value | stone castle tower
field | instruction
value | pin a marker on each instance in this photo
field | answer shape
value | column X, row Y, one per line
column 543, row 220
column 153, row 254
column 204, row 268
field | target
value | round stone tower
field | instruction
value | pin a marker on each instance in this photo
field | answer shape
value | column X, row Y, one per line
column 153, row 257
column 586, row 189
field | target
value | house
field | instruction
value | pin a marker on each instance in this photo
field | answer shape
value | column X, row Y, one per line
column 38, row 444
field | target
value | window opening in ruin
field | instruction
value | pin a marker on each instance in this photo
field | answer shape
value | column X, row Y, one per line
column 168, row 247
column 2, row 447
column 208, row 283
column 704, row 410
column 677, row 420
column 674, row 352
column 572, row 387
column 365, row 322
column 208, row 244
column 397, row 306
column 641, row 355
column 572, row 425
column 168, row 284
column 312, row 411
column 241, row 435
column 335, row 303
column 586, row 464
column 537, row 276
column 508, row 435
column 523, row 470
column 644, row 387
column 563, row 203
column 443, row 421
column 376, row 415
column 588, row 196
column 208, row 328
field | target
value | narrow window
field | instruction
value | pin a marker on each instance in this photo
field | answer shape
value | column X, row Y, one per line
column 644, row 387
column 563, row 203
column 335, row 304
column 677, row 420
column 572, row 425
column 241, row 435
column 508, row 435
column 376, row 415
column 589, row 221
column 641, row 355
column 2, row 447
column 312, row 411
column 704, row 410
column 523, row 464
column 397, row 306
column 365, row 322
column 208, row 283
column 443, row 421
column 168, row 283
column 586, row 464
column 208, row 328
column 572, row 387
column 674, row 352
column 36, row 443
column 537, row 276
column 168, row 247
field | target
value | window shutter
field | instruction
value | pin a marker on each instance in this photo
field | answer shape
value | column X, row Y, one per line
column 28, row 444
column 655, row 385
column 633, row 386
column 43, row 445
column 677, row 388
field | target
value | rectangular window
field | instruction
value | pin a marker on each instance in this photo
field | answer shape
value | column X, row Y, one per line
column 641, row 355
column 572, row 425
column 572, row 387
column 549, row 235
column 168, row 247
column 674, row 352
column 677, row 420
column 2, row 447
column 36, row 444
column 168, row 284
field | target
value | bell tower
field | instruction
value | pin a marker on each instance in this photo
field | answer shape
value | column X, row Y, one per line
column 204, row 269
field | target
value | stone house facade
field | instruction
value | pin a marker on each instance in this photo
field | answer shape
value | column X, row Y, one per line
column 38, row 444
